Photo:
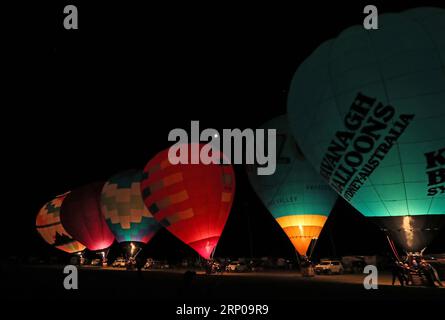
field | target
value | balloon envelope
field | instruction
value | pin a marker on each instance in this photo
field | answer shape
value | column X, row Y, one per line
column 82, row 217
column 192, row 201
column 50, row 228
column 124, row 209
column 367, row 110
column 296, row 196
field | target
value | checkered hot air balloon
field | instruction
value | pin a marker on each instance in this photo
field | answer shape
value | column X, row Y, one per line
column 124, row 209
column 50, row 228
column 192, row 201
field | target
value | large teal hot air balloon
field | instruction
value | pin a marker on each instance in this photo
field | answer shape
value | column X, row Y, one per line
column 124, row 209
column 368, row 110
column 295, row 194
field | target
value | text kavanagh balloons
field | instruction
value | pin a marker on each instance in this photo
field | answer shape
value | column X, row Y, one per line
column 295, row 194
column 50, row 228
column 192, row 201
column 124, row 209
column 368, row 111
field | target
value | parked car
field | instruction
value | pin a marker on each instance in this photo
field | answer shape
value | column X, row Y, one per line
column 353, row 264
column 231, row 267
column 156, row 264
column 329, row 267
column 119, row 263
column 237, row 266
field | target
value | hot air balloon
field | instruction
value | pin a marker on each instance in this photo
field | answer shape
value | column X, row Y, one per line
column 50, row 228
column 367, row 110
column 295, row 194
column 192, row 201
column 82, row 217
column 125, row 212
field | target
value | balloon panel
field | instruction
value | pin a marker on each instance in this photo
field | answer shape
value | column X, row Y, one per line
column 367, row 109
column 295, row 194
column 82, row 217
column 50, row 228
column 302, row 229
column 124, row 209
column 192, row 201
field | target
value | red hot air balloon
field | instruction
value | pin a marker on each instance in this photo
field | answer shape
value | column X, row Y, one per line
column 192, row 201
column 82, row 217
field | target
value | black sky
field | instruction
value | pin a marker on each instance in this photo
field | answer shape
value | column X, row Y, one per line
column 106, row 96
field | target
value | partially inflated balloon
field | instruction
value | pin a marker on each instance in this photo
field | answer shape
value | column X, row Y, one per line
column 82, row 217
column 192, row 201
column 124, row 209
column 368, row 111
column 50, row 228
column 295, row 194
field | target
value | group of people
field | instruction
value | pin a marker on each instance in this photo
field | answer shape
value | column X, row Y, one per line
column 212, row 266
column 415, row 267
column 307, row 269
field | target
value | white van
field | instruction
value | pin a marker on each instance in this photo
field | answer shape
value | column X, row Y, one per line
column 329, row 267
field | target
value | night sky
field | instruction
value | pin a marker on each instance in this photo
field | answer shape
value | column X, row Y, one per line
column 107, row 95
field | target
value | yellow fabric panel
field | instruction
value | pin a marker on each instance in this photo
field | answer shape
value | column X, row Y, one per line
column 303, row 232
column 301, row 245
column 46, row 219
column 72, row 247
column 302, row 220
column 139, row 213
column 182, row 215
column 48, row 233
column 226, row 196
column 135, row 217
column 111, row 214
column 135, row 188
column 172, row 179
column 172, row 199
column 123, row 197
column 125, row 222
column 301, row 229
column 179, row 197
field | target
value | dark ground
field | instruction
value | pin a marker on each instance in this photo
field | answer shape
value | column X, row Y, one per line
column 46, row 283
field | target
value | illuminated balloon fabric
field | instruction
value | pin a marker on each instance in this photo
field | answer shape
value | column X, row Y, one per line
column 368, row 111
column 124, row 209
column 295, row 194
column 50, row 228
column 192, row 201
column 82, row 217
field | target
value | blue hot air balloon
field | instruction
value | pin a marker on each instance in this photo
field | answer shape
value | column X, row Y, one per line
column 296, row 196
